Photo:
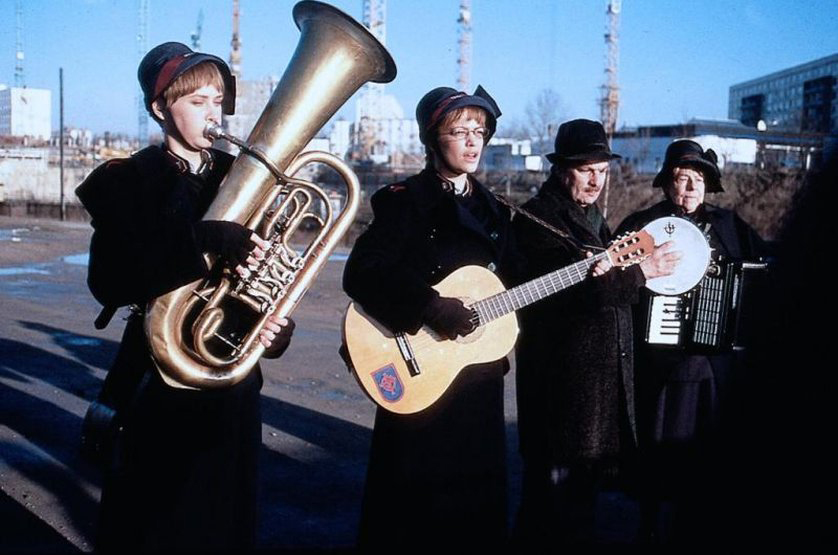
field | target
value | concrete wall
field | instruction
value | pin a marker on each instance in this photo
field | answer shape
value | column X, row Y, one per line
column 26, row 176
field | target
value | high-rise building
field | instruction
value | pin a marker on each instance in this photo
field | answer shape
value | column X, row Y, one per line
column 798, row 99
column 26, row 112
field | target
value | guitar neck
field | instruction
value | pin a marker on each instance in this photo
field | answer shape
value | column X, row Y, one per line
column 493, row 307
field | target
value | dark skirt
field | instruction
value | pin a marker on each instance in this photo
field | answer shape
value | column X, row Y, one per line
column 440, row 475
column 186, row 471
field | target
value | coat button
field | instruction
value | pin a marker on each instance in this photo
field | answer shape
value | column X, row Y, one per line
column 494, row 235
column 492, row 266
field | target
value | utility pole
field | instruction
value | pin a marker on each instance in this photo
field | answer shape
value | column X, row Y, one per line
column 61, row 139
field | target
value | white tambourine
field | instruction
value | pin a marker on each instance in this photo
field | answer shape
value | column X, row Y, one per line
column 690, row 241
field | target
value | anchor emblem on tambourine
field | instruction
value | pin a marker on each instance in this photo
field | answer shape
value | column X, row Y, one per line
column 691, row 242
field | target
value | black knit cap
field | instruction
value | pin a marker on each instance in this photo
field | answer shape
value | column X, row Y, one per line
column 168, row 61
column 689, row 154
column 434, row 105
column 581, row 140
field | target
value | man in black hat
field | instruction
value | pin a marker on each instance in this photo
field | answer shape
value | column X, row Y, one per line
column 184, row 473
column 574, row 357
column 438, row 476
column 681, row 394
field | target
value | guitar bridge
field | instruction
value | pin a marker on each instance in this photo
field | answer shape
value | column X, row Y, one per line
column 407, row 354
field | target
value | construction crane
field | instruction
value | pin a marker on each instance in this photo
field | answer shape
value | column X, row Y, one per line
column 20, row 80
column 196, row 34
column 142, row 48
column 236, row 44
column 610, row 101
column 464, row 45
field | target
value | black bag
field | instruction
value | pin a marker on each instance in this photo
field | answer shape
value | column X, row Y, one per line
column 104, row 421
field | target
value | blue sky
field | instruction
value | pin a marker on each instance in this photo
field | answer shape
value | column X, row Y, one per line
column 677, row 58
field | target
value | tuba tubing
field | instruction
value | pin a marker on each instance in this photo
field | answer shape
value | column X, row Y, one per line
column 335, row 56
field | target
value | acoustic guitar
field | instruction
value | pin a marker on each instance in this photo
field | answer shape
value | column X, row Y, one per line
column 406, row 373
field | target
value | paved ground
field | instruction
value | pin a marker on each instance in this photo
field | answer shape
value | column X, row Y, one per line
column 316, row 430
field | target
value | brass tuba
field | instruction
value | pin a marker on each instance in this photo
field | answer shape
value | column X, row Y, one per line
column 206, row 334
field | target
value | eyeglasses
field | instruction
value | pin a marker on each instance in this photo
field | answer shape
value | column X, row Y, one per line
column 460, row 133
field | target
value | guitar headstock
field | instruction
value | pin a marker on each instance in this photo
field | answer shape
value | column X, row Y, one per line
column 631, row 248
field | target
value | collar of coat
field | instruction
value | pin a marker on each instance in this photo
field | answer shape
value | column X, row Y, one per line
column 112, row 185
column 182, row 165
column 428, row 191
column 555, row 205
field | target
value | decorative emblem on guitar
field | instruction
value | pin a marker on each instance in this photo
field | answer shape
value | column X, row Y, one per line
column 388, row 383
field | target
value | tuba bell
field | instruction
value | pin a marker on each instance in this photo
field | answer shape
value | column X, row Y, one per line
column 205, row 335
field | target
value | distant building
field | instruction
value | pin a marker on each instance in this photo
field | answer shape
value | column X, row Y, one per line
column 380, row 133
column 734, row 143
column 644, row 147
column 511, row 155
column 80, row 138
column 251, row 99
column 801, row 98
column 340, row 138
column 26, row 112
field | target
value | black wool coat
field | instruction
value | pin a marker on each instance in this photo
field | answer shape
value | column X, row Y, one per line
column 574, row 358
column 185, row 469
column 445, row 465
column 682, row 396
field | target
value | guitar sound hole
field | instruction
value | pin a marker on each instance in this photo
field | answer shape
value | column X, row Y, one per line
column 472, row 337
column 475, row 335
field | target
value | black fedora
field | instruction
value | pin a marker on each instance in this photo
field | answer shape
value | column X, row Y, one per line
column 689, row 154
column 581, row 140
column 436, row 103
column 166, row 62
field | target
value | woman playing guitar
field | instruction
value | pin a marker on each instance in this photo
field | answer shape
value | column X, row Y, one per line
column 440, row 473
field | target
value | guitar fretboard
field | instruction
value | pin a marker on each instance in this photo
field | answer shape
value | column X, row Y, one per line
column 493, row 307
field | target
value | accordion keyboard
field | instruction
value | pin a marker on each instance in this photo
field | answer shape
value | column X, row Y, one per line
column 666, row 319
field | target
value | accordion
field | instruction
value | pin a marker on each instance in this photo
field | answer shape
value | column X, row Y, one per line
column 716, row 316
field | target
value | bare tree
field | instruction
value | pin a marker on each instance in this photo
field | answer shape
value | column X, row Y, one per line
column 543, row 114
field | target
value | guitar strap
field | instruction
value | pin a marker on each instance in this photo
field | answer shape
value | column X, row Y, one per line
column 582, row 247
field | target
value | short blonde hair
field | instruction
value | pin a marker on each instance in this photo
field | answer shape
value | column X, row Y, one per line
column 472, row 112
column 201, row 75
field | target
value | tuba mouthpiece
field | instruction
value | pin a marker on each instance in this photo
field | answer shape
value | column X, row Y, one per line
column 213, row 131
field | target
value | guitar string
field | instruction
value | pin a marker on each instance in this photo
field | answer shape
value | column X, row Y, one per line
column 543, row 286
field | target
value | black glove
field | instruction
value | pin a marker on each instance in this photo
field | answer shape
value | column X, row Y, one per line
column 229, row 240
column 449, row 318
column 281, row 341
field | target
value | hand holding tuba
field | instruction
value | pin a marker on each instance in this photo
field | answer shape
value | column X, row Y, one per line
column 206, row 334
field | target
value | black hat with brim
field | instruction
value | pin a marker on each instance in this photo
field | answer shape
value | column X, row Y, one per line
column 686, row 153
column 433, row 107
column 168, row 61
column 581, row 140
